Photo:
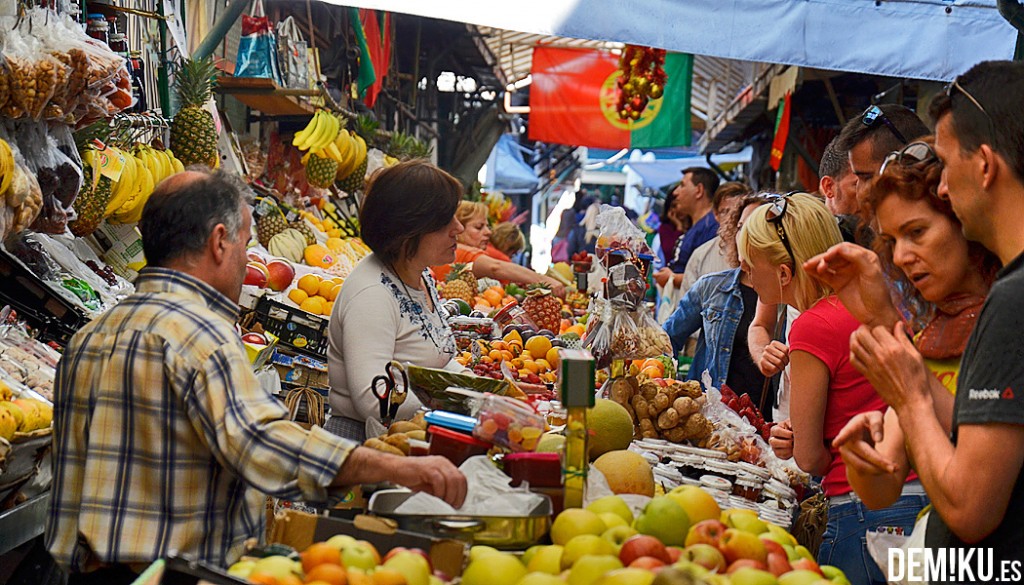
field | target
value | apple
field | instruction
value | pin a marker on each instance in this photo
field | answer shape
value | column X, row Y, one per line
column 340, row 541
column 540, row 579
column 494, row 569
column 643, row 545
column 619, row 534
column 736, row 544
column 834, row 574
column 574, row 522
column 358, row 577
column 781, row 535
column 699, row 504
column 646, row 563
column 479, row 551
column 706, row 531
column 746, row 564
column 418, row 551
column 799, row 577
column 276, row 566
column 802, row 551
column 684, row 569
column 254, row 257
column 665, row 520
column 745, row 520
column 627, row 576
column 546, row 560
column 705, row 555
column 751, row 576
column 588, row 569
column 613, row 505
column 778, row 564
column 583, row 545
column 674, row 553
column 361, row 555
column 256, row 275
column 611, row 519
column 413, row 566
column 280, row 275
column 529, row 553
column 803, row 564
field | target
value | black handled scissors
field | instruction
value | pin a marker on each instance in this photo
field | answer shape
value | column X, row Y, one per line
column 387, row 390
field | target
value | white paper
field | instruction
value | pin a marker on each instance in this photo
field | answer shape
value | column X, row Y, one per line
column 488, row 494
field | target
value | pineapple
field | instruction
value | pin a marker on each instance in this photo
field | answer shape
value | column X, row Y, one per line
column 91, row 203
column 320, row 171
column 457, row 288
column 193, row 133
column 269, row 226
column 354, row 182
column 543, row 308
column 304, row 230
column 463, row 273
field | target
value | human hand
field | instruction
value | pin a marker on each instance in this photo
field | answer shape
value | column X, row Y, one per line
column 434, row 475
column 774, row 358
column 781, row 439
column 856, row 275
column 891, row 364
column 557, row 288
column 857, row 441
column 661, row 276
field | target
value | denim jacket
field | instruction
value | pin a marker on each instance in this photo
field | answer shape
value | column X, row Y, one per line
column 716, row 303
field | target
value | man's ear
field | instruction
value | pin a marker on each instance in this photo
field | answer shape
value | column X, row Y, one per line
column 990, row 165
column 217, row 244
column 827, row 186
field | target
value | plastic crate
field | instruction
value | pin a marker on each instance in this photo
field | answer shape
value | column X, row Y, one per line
column 293, row 327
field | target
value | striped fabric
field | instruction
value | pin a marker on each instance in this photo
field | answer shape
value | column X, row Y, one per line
column 163, row 439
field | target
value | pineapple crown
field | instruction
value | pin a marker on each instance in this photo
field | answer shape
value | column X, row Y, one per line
column 194, row 81
column 458, row 269
column 538, row 290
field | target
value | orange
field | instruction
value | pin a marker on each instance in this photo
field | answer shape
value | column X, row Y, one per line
column 309, row 283
column 328, row 308
column 531, row 366
column 499, row 345
column 334, row 292
column 262, row 579
column 538, row 346
column 328, row 573
column 386, row 576
column 506, row 354
column 313, row 305
column 495, row 355
column 652, row 372
column 318, row 255
column 298, row 296
column 649, row 362
column 325, row 288
column 289, row 580
column 552, row 357
column 320, row 553
column 358, row 577
column 493, row 297
column 577, row 329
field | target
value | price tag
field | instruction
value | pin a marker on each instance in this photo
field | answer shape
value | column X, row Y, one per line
column 110, row 162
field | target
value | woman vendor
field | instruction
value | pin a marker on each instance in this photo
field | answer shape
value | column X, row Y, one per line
column 388, row 308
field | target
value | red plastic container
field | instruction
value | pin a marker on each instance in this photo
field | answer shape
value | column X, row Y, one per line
column 541, row 470
column 455, row 446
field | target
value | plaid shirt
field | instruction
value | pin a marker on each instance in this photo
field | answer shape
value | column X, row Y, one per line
column 164, row 441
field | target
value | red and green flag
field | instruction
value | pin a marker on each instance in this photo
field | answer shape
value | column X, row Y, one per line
column 781, row 133
column 573, row 101
column 374, row 40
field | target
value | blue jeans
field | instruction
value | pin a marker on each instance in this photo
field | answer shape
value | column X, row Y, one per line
column 844, row 544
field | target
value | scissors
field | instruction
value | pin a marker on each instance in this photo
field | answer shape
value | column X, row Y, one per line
column 387, row 390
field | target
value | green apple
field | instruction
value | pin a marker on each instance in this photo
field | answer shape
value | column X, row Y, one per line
column 494, row 569
column 360, row 556
column 664, row 519
column 574, row 522
column 834, row 574
column 546, row 560
column 799, row 577
column 737, row 544
column 699, row 504
column 745, row 520
column 341, row 541
column 627, row 576
column 748, row 576
column 413, row 566
column 276, row 566
column 588, row 569
column 802, row 551
column 612, row 504
column 541, row 579
column 782, row 536
column 241, row 569
column 528, row 554
column 618, row 534
column 585, row 544
column 479, row 551
column 612, row 519
column 687, row 568
column 435, row 580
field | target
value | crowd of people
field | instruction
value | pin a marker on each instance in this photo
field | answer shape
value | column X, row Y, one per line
column 905, row 378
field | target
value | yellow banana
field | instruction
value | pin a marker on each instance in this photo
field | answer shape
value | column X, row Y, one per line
column 165, row 162
column 125, row 186
column 332, row 151
column 344, row 144
column 351, row 158
column 176, row 165
column 6, row 166
column 332, row 132
column 314, row 135
column 303, row 134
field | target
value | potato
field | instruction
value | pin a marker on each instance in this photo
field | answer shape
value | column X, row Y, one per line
column 668, row 419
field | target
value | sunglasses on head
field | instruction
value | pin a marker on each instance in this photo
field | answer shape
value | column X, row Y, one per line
column 875, row 114
column 777, row 206
column 955, row 84
column 909, row 155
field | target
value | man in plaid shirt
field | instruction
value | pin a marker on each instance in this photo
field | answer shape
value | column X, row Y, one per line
column 164, row 441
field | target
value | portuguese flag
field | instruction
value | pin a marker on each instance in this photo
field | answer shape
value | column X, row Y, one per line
column 573, row 96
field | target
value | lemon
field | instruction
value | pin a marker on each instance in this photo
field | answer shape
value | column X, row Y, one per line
column 312, row 305
column 513, row 336
column 297, row 296
column 538, row 346
column 310, row 284
column 324, row 289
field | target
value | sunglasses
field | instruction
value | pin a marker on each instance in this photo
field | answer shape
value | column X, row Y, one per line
column 911, row 154
column 875, row 114
column 956, row 85
column 778, row 204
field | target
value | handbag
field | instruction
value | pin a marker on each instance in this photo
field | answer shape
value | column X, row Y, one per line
column 257, row 49
column 560, row 250
column 293, row 54
column 810, row 524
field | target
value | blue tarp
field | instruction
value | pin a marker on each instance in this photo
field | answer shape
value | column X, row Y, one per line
column 658, row 173
column 919, row 39
column 506, row 170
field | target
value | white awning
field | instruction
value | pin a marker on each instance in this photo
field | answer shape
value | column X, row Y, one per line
column 918, row 39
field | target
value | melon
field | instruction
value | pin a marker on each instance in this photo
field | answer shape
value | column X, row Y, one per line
column 611, row 427
column 626, row 472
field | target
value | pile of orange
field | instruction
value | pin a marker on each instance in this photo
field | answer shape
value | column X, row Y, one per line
column 536, row 356
column 493, row 298
column 316, row 295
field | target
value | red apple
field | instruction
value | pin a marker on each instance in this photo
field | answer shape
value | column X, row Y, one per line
column 255, row 275
column 807, row 565
column 643, row 545
column 647, row 563
column 674, row 552
column 705, row 555
column 254, row 257
column 281, row 275
column 778, row 564
column 707, row 532
column 255, row 338
column 740, row 563
column 773, row 547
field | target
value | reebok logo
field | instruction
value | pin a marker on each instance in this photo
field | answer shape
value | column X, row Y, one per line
column 984, row 394
column 1008, row 393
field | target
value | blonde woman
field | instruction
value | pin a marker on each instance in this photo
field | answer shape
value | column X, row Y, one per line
column 506, row 241
column 470, row 250
column 827, row 391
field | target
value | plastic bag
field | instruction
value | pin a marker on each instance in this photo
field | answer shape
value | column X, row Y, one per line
column 257, row 49
column 293, row 54
column 617, row 232
column 33, row 77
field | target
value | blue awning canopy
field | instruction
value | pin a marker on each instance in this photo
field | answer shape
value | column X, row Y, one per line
column 507, row 171
column 658, row 173
column 918, row 39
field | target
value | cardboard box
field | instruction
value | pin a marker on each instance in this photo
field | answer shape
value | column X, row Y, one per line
column 299, row 529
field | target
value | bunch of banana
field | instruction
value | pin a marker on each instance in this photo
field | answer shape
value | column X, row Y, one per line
column 144, row 168
column 318, row 136
column 353, row 149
